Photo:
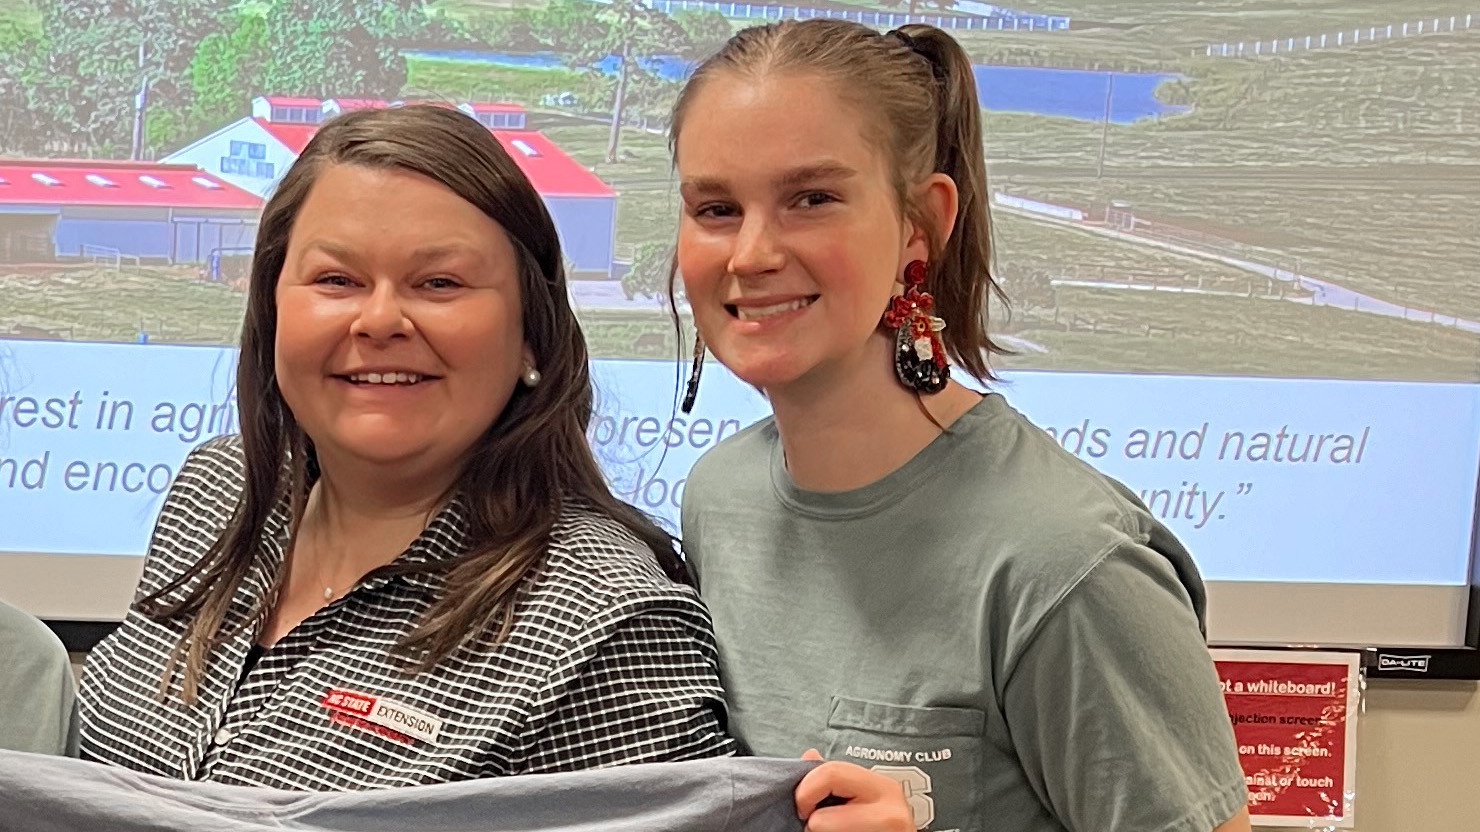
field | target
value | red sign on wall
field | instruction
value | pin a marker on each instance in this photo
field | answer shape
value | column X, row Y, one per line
column 1294, row 716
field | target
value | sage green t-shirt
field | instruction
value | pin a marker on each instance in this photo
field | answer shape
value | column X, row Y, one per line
column 37, row 691
column 997, row 625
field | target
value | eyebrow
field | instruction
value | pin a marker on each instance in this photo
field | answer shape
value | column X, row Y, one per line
column 793, row 178
column 812, row 173
column 423, row 254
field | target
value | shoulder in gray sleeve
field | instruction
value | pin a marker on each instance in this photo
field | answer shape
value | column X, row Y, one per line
column 1115, row 708
column 37, row 691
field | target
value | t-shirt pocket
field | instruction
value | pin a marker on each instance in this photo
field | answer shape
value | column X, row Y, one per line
column 935, row 754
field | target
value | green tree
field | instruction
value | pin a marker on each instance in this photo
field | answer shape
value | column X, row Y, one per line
column 347, row 48
column 508, row 29
column 108, row 64
column 634, row 31
column 224, row 72
column 593, row 34
column 652, row 262
column 22, row 131
column 704, row 33
column 568, row 27
column 650, row 98
column 1028, row 287
column 328, row 48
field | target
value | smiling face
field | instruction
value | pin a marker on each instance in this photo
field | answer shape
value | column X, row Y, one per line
column 792, row 239
column 399, row 325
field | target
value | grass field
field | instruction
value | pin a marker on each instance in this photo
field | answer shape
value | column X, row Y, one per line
column 1396, row 240
column 1361, row 164
column 1178, row 26
column 1243, row 337
column 1143, row 331
column 1414, row 249
column 471, row 81
column 1375, row 188
column 1079, row 329
column 1377, row 192
column 1282, row 115
column 173, row 306
column 643, row 160
column 90, row 303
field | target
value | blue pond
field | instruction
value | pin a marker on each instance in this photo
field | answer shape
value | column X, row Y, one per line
column 1066, row 93
column 1073, row 93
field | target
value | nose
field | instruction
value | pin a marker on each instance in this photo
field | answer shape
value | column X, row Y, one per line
column 757, row 250
column 381, row 316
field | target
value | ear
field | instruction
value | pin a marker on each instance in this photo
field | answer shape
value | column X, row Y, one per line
column 528, row 355
column 938, row 200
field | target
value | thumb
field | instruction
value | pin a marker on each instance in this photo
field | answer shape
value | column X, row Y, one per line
column 812, row 755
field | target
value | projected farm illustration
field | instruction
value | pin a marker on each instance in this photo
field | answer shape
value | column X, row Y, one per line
column 1231, row 188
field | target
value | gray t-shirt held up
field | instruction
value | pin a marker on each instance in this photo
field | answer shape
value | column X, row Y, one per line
column 59, row 794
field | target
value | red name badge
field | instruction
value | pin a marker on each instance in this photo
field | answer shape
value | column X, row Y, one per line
column 383, row 717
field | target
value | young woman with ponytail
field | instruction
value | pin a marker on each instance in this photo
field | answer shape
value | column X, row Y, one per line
column 905, row 574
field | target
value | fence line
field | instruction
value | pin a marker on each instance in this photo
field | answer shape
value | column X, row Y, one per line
column 107, row 256
column 103, row 255
column 1004, row 21
column 1343, row 38
column 1125, row 225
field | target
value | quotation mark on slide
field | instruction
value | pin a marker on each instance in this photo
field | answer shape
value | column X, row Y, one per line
column 1241, row 490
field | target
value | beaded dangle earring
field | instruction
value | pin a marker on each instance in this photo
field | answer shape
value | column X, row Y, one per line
column 691, row 390
column 919, row 353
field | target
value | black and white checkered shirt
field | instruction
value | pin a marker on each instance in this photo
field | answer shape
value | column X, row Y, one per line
column 608, row 663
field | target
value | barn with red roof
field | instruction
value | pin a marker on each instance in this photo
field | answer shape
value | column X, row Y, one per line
column 289, row 109
column 334, row 106
column 254, row 152
column 497, row 116
column 57, row 208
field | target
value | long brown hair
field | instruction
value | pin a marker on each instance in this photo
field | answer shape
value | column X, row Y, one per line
column 920, row 76
column 531, row 463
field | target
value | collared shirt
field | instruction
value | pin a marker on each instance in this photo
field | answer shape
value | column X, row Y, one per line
column 608, row 662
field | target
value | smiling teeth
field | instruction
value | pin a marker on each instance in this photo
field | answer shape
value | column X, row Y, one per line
column 386, row 378
column 756, row 313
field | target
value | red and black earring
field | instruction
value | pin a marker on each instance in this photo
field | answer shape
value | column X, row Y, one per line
column 919, row 352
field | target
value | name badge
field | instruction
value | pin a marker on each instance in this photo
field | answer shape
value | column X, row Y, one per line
column 390, row 719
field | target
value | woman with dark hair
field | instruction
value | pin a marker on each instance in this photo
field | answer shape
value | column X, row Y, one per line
column 408, row 568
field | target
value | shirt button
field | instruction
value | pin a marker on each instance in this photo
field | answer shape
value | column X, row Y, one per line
column 225, row 736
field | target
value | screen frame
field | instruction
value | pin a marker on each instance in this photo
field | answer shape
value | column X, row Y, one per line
column 1460, row 663
column 1413, row 664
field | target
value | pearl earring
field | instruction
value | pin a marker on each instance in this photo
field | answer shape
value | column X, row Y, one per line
column 531, row 376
